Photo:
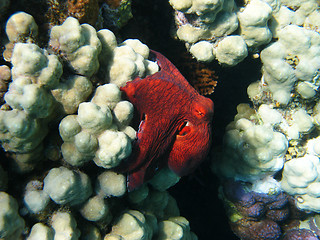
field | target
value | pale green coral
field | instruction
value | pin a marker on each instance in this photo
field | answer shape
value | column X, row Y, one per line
column 96, row 209
column 65, row 186
column 253, row 150
column 41, row 94
column 35, row 100
column 32, row 62
column 132, row 54
column 19, row 132
column 93, row 133
column 132, row 225
column 254, row 23
column 77, row 43
column 21, row 27
column 110, row 183
column 41, row 231
column 175, row 228
column 65, row 226
column 12, row 224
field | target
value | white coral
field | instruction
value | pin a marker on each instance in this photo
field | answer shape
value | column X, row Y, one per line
column 231, row 50
column 20, row 133
column 300, row 178
column 175, row 228
column 292, row 59
column 253, row 151
column 21, row 27
column 35, row 199
column 113, row 147
column 254, row 23
column 65, row 186
column 95, row 209
column 94, row 134
column 65, row 226
column 32, row 98
column 132, row 225
column 110, row 183
column 11, row 224
column 129, row 61
column 41, row 231
column 29, row 60
column 79, row 44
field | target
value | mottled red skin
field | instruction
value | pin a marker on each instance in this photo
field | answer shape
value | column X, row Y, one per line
column 175, row 124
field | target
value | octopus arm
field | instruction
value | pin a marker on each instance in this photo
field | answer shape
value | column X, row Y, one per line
column 150, row 151
column 170, row 72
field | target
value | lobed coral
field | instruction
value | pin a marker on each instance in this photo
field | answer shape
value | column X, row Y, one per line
column 300, row 179
column 21, row 27
column 98, row 132
column 47, row 110
column 291, row 64
column 12, row 224
column 273, row 146
column 228, row 30
column 254, row 148
column 78, row 45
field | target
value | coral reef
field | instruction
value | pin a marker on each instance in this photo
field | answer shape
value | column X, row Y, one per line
column 300, row 234
column 288, row 64
column 53, row 103
column 228, row 30
column 78, row 45
column 272, row 145
column 65, row 127
column 94, row 134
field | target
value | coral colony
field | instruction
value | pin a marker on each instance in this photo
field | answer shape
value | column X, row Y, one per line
column 50, row 87
column 67, row 130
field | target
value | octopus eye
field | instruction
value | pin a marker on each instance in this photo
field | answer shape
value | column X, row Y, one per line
column 184, row 129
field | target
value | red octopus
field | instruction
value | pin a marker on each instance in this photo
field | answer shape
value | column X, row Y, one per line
column 175, row 124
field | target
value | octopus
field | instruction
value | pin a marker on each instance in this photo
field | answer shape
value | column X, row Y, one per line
column 175, row 124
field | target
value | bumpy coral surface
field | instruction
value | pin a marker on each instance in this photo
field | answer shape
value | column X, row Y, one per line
column 253, row 148
column 300, row 178
column 12, row 224
column 208, row 27
column 94, row 133
column 300, row 234
column 56, row 119
column 274, row 145
column 78, row 44
column 63, row 178
column 287, row 63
